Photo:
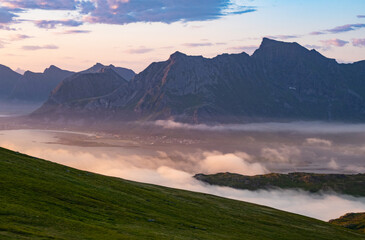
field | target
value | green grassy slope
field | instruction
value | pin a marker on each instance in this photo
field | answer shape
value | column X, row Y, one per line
column 312, row 182
column 43, row 200
column 354, row 221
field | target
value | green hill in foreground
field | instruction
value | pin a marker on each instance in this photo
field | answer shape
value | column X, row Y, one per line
column 43, row 200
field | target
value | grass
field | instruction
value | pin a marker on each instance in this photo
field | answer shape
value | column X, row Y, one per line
column 44, row 200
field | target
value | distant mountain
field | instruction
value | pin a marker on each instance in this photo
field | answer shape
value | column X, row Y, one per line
column 280, row 81
column 36, row 87
column 8, row 80
column 81, row 88
column 125, row 73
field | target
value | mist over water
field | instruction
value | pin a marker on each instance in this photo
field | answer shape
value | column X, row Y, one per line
column 173, row 163
column 301, row 127
column 9, row 109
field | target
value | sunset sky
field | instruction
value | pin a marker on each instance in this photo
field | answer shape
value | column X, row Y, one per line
column 75, row 34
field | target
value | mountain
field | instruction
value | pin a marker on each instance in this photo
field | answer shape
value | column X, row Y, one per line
column 311, row 182
column 355, row 221
column 280, row 81
column 125, row 73
column 79, row 89
column 44, row 200
column 36, row 87
column 8, row 80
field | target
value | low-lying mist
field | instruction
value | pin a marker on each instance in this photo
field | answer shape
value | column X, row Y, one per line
column 302, row 127
column 174, row 166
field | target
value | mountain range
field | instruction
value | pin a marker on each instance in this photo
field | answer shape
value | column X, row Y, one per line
column 280, row 81
column 36, row 87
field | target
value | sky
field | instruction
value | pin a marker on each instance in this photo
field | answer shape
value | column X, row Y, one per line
column 75, row 34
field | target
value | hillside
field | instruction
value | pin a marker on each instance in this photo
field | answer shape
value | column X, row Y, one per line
column 281, row 81
column 340, row 183
column 43, row 200
column 355, row 221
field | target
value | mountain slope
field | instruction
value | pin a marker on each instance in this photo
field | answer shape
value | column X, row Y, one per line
column 125, row 73
column 77, row 90
column 36, row 87
column 8, row 80
column 43, row 200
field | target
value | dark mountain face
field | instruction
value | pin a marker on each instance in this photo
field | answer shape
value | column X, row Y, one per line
column 36, row 87
column 81, row 88
column 280, row 81
column 8, row 80
column 125, row 73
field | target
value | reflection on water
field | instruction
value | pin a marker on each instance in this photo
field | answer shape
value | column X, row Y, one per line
column 174, row 164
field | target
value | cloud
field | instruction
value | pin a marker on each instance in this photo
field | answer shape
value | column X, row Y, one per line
column 283, row 37
column 317, row 33
column 340, row 29
column 284, row 154
column 162, row 170
column 334, row 42
column 197, row 44
column 6, row 16
column 361, row 16
column 346, row 28
column 217, row 162
column 358, row 42
column 2, row 44
column 125, row 11
column 140, row 50
column 19, row 37
column 40, row 4
column 49, row 24
column 333, row 164
column 299, row 127
column 248, row 49
column 74, row 31
column 324, row 48
column 318, row 142
column 33, row 48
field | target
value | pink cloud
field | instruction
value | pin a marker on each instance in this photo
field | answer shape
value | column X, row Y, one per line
column 358, row 42
column 334, row 42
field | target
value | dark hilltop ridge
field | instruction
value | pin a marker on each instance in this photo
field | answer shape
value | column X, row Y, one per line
column 311, row 182
column 280, row 81
column 355, row 221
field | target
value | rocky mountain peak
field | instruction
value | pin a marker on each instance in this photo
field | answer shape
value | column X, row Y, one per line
column 177, row 55
column 51, row 69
